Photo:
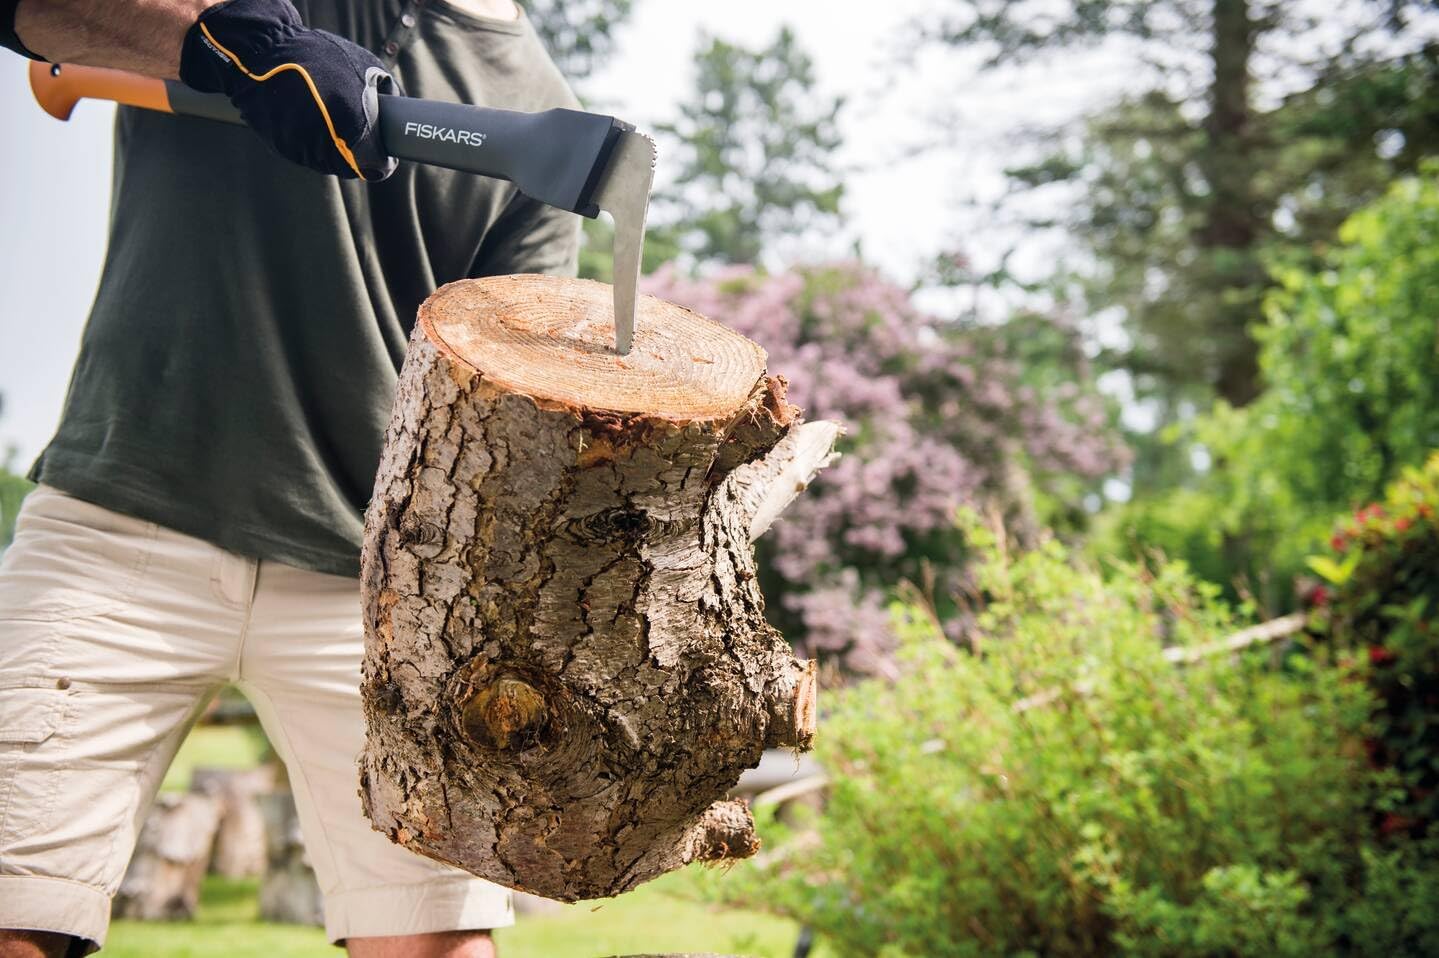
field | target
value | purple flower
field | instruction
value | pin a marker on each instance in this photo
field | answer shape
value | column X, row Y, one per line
column 937, row 416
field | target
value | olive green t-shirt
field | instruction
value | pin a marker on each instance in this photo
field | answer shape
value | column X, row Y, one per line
column 236, row 373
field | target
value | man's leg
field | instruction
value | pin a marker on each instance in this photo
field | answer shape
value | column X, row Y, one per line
column 443, row 944
column 33, row 944
column 301, row 668
column 107, row 654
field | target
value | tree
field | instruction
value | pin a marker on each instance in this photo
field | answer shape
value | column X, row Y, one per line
column 1181, row 191
column 1350, row 362
column 755, row 152
column 578, row 33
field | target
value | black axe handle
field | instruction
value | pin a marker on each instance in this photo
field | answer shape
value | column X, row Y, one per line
column 555, row 157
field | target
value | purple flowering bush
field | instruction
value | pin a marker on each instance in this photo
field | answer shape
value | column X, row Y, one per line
column 938, row 415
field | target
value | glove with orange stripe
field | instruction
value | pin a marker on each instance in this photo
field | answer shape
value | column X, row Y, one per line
column 312, row 95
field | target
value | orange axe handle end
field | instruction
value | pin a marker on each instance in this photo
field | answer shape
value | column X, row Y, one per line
column 57, row 89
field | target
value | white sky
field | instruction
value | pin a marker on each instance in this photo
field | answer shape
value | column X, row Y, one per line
column 904, row 205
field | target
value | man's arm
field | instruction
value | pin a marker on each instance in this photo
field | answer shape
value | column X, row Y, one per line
column 143, row 36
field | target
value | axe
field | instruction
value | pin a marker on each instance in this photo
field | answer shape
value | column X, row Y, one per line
column 576, row 161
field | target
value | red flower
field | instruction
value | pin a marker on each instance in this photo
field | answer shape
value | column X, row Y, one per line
column 1395, row 823
column 1319, row 597
column 1374, row 511
column 1338, row 542
column 1378, row 655
column 1402, row 523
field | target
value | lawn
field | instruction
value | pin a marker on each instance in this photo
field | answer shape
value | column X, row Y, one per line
column 649, row 920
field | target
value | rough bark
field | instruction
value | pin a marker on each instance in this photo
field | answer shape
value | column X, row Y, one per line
column 567, row 663
column 289, row 892
column 240, row 839
column 162, row 882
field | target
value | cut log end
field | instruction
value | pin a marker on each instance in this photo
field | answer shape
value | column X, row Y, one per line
column 553, row 340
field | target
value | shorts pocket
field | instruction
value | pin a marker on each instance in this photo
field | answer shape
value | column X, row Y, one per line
column 29, row 719
column 72, row 559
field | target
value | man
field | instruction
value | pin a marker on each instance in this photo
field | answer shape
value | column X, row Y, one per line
column 198, row 517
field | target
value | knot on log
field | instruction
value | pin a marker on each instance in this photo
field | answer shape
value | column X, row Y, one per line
column 724, row 831
column 615, row 525
column 507, row 714
column 414, row 532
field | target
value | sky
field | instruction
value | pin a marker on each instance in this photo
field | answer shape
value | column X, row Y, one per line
column 903, row 200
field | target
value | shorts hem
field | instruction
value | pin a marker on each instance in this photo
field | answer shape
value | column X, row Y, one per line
column 59, row 905
column 468, row 904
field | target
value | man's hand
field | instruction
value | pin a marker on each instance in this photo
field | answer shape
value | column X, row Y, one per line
column 312, row 95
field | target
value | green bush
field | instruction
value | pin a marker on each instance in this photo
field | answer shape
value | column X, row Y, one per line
column 13, row 489
column 1383, row 601
column 1135, row 806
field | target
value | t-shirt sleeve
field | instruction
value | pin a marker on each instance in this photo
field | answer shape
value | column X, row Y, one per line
column 530, row 237
column 8, row 37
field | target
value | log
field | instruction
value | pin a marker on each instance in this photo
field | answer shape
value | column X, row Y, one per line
column 240, row 839
column 289, row 891
column 567, row 664
column 162, row 882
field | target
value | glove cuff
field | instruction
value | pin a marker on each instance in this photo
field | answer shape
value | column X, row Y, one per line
column 219, row 48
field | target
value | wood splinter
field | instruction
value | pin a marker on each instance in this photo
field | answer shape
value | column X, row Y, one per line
column 567, row 663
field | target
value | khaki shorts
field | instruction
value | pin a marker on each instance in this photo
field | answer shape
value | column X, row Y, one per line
column 114, row 634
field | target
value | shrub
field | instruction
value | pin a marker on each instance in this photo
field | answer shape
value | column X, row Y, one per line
column 1383, row 601
column 1216, row 808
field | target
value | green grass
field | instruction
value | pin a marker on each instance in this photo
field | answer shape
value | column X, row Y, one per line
column 216, row 746
column 648, row 920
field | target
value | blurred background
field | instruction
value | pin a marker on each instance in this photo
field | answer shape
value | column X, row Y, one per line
column 1125, row 585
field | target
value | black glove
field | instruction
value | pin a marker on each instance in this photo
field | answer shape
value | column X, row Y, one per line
column 312, row 95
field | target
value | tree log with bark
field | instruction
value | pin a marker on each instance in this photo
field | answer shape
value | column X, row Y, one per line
column 567, row 663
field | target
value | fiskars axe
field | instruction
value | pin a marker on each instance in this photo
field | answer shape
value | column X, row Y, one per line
column 581, row 162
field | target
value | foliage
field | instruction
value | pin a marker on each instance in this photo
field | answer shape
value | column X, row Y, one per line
column 578, row 33
column 13, row 489
column 1382, row 567
column 1350, row 355
column 1179, row 193
column 1061, row 788
column 937, row 414
column 753, row 149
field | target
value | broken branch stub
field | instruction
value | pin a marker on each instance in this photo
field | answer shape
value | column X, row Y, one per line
column 567, row 663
